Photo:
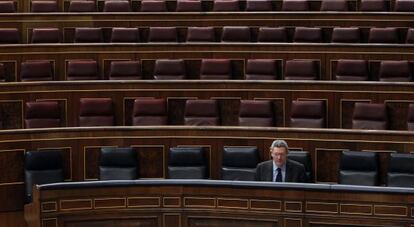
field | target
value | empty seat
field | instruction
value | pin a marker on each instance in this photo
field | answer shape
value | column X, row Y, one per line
column 261, row 69
column 7, row 7
column 125, row 35
column 148, row 111
column 215, row 69
column 307, row 35
column 370, row 116
column 46, row 35
column 82, row 6
column 373, row 5
column 346, row 35
column 410, row 36
column 162, row 34
column 9, row 35
column 400, row 170
column 358, row 168
column 334, row 5
column 308, row 114
column 169, row 69
column 404, row 6
column 383, row 35
column 351, row 70
column 201, row 34
column 125, row 70
column 44, row 114
column 395, row 71
column 410, row 118
column 269, row 34
column 41, row 167
column 188, row 6
column 96, row 112
column 301, row 69
column 39, row 70
column 202, row 112
column 295, row 5
column 187, row 163
column 304, row 158
column 118, row 163
column 239, row 163
column 226, row 5
column 44, row 6
column 117, row 6
column 259, row 5
column 153, row 6
column 236, row 34
column 256, row 113
column 88, row 35
column 82, row 70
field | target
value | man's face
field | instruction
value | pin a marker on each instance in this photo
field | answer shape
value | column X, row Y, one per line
column 279, row 155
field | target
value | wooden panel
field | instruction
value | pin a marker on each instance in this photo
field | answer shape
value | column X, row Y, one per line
column 49, row 222
column 199, row 202
column 271, row 205
column 77, row 204
column 11, row 114
column 172, row 219
column 232, row 203
column 11, row 166
column 321, row 207
column 228, row 222
column 130, row 222
column 386, row 210
column 147, row 156
column 104, row 203
column 327, row 164
column 171, row 202
column 356, row 209
column 140, row 202
column 292, row 222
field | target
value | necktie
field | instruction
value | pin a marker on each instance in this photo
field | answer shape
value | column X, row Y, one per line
column 279, row 175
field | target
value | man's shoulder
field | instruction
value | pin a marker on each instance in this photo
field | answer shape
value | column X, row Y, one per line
column 265, row 163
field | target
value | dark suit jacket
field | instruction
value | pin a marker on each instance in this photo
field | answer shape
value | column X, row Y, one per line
column 295, row 172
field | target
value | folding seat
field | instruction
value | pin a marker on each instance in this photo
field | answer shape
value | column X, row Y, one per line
column 46, row 35
column 236, row 34
column 36, row 70
column 410, row 36
column 259, row 5
column 153, row 6
column 82, row 6
column 201, row 34
column 351, row 70
column 148, row 111
column 295, row 5
column 346, row 35
column 44, row 6
column 400, row 170
column 96, row 112
column 41, row 167
column 239, row 163
column 117, row 6
column 404, row 6
column 88, row 35
column 125, row 70
column 269, row 34
column 187, row 163
column 383, row 35
column 304, row 158
column 373, row 5
column 307, row 35
column 215, row 69
column 169, row 69
column 370, row 116
column 125, row 35
column 226, row 5
column 308, row 114
column 7, row 7
column 44, row 114
column 118, row 163
column 257, row 113
column 358, row 168
column 334, row 5
column 82, row 70
column 301, row 69
column 163, row 34
column 395, row 71
column 9, row 35
column 261, row 69
column 188, row 6
column 410, row 118
column 201, row 112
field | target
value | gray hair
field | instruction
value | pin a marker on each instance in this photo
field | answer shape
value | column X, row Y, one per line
column 279, row 143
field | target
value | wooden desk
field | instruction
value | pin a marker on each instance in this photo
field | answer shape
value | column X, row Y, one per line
column 218, row 203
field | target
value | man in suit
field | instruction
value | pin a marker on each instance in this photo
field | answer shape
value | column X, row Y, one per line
column 279, row 168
